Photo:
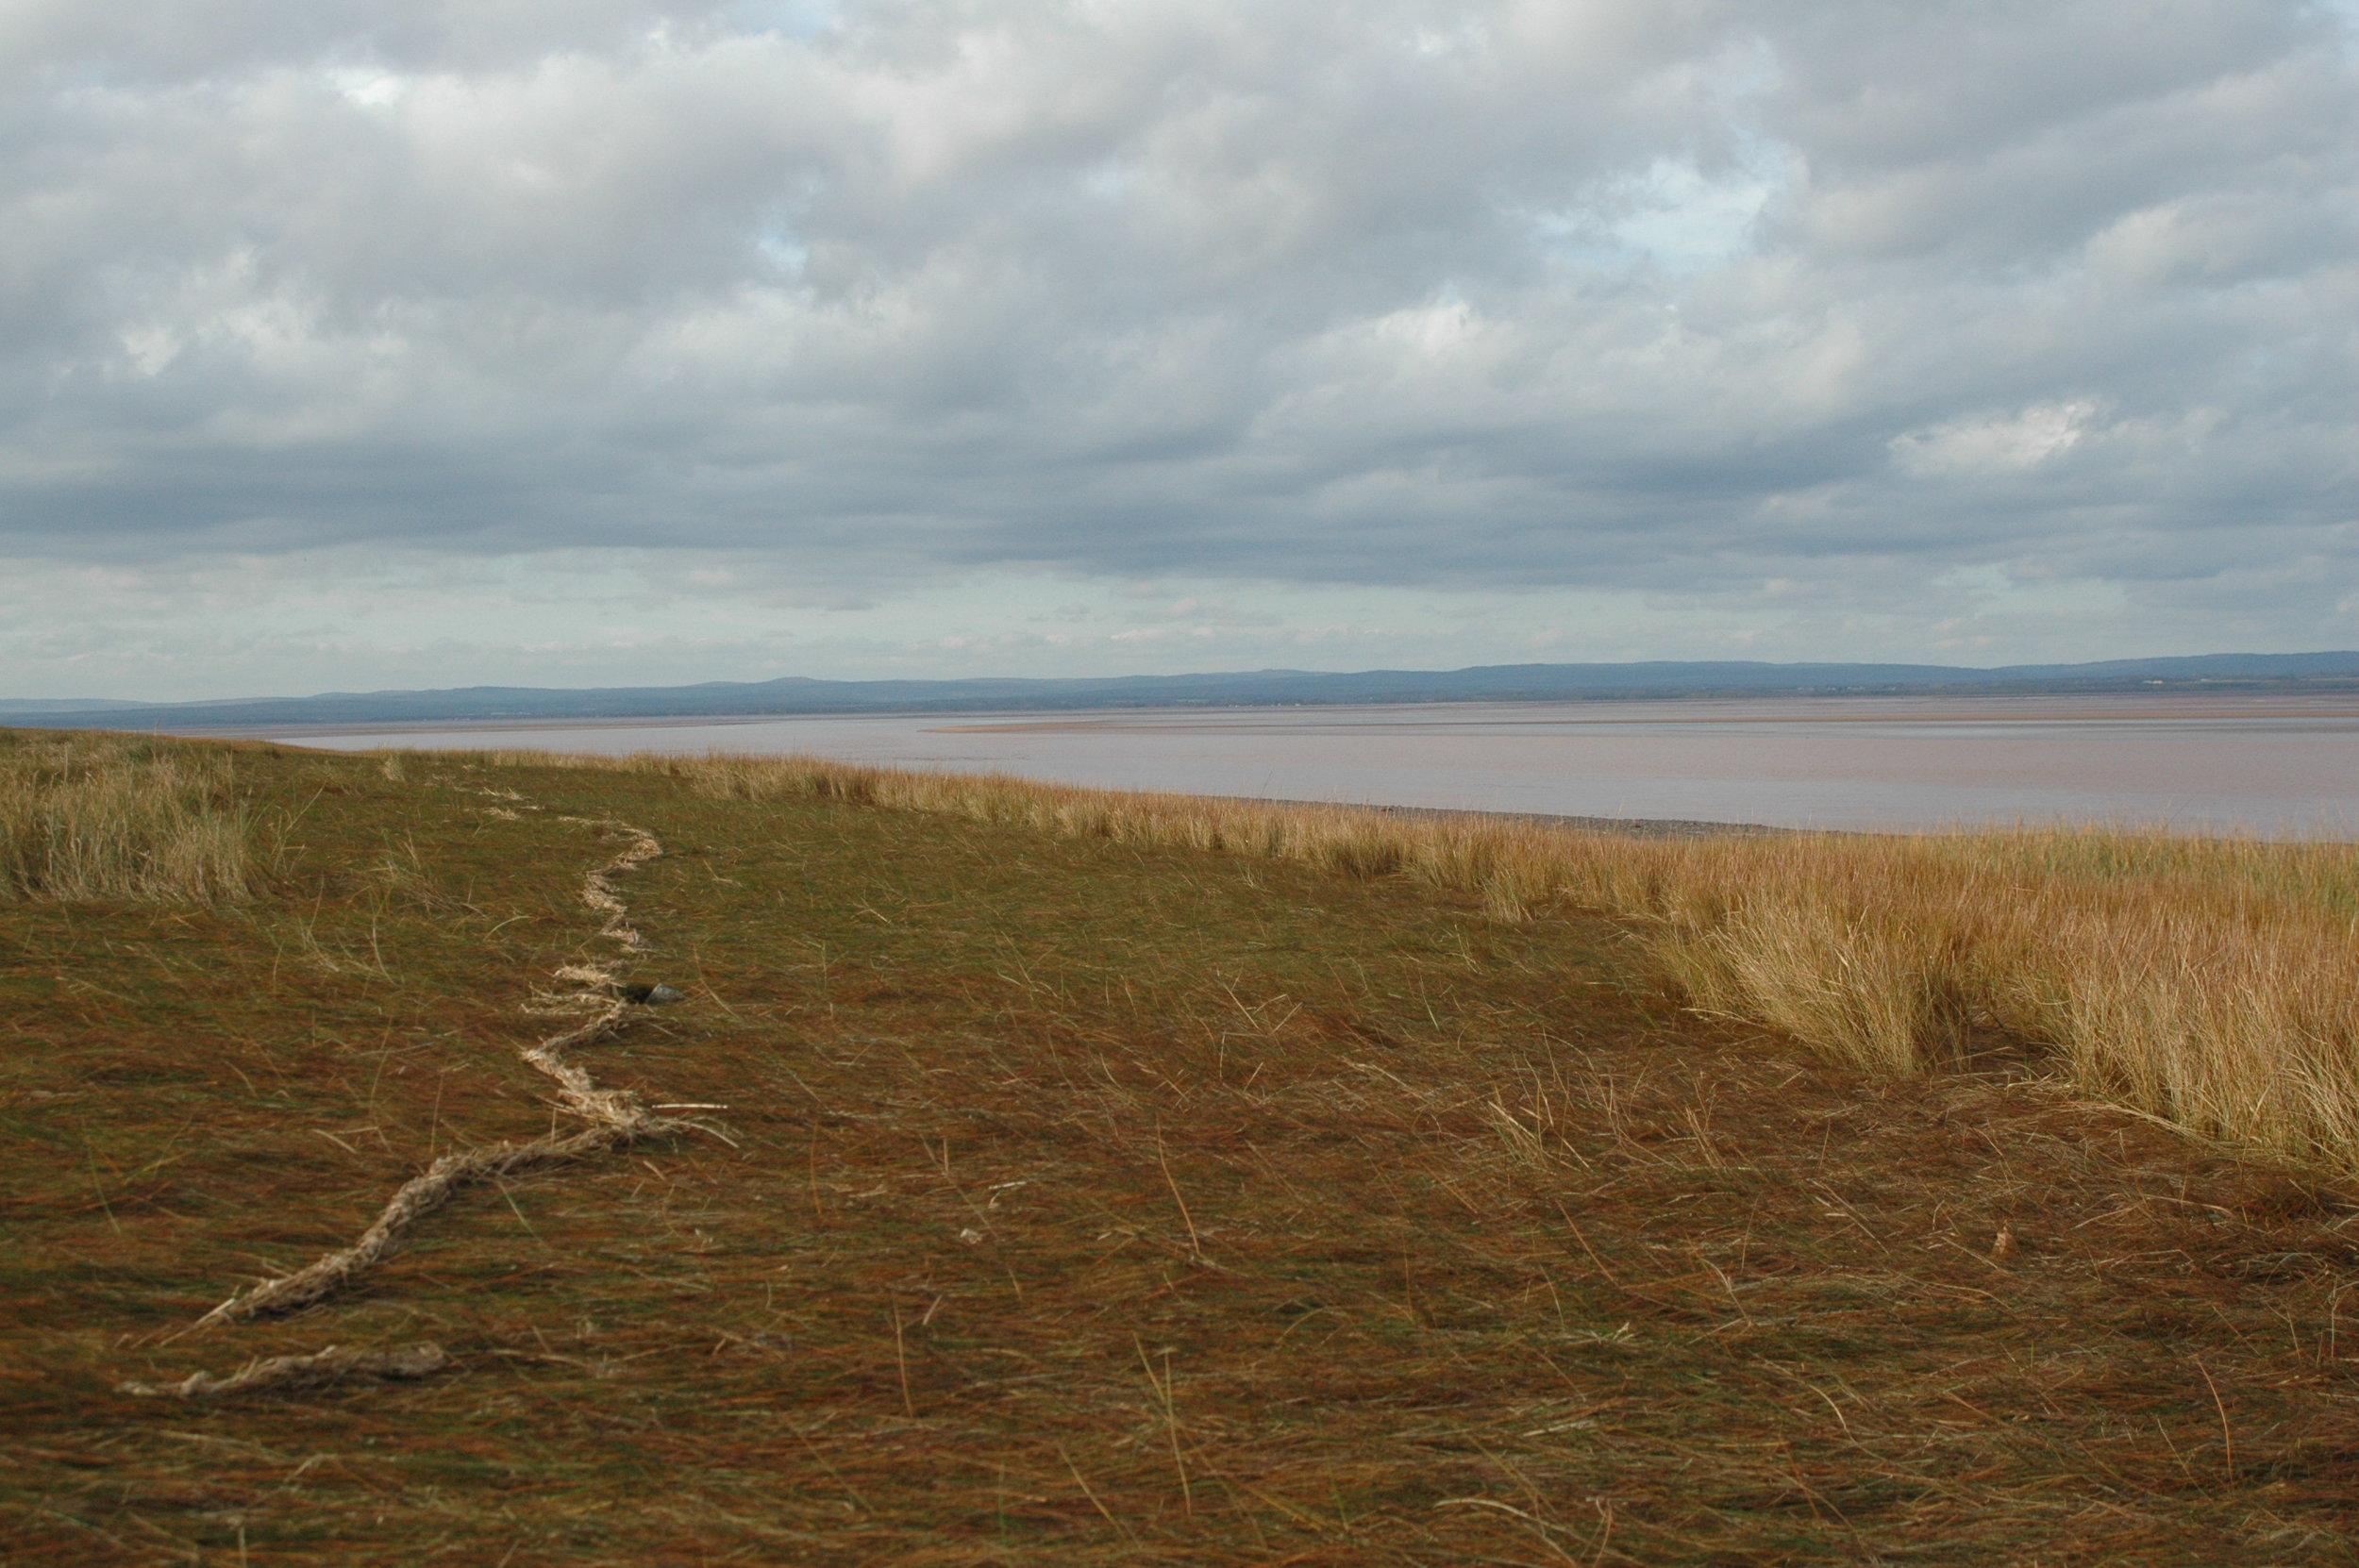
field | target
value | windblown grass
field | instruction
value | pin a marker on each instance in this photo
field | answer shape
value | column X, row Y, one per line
column 1071, row 1200
column 2211, row 982
column 114, row 817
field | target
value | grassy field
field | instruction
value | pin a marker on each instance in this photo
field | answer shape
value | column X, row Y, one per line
column 1122, row 1181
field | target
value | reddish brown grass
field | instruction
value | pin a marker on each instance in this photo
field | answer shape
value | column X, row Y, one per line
column 1097, row 1201
column 2214, row 983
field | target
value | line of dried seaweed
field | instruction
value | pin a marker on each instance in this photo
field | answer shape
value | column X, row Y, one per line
column 317, row 1370
column 616, row 1119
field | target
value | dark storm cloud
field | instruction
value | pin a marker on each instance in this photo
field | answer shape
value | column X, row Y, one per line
column 1661, row 295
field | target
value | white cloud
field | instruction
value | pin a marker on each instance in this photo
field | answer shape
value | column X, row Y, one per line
column 1997, row 445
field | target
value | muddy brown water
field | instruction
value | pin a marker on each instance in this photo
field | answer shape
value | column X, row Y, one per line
column 2278, row 766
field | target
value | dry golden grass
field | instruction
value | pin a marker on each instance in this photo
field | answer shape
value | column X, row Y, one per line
column 115, row 817
column 2211, row 982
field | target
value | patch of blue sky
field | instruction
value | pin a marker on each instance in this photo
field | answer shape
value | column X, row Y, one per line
column 1683, row 220
column 1108, row 179
column 2346, row 12
column 1676, row 217
column 782, row 250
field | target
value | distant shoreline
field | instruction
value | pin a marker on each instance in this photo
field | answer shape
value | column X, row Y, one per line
column 1632, row 828
column 2228, row 675
column 1928, row 706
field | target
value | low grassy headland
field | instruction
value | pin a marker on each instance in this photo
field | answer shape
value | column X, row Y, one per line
column 1124, row 1180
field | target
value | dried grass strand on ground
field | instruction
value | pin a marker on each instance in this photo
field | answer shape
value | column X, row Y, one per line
column 616, row 1117
column 319, row 1369
column 2211, row 982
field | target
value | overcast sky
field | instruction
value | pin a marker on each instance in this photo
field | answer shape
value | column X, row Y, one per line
column 355, row 343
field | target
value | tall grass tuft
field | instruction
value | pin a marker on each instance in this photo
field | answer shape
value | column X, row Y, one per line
column 2213, row 983
column 117, row 817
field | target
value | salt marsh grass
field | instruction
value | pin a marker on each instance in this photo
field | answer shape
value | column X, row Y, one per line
column 1101, row 1179
column 114, row 817
column 2213, row 983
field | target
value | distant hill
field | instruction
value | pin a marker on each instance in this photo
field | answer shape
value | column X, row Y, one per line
column 64, row 705
column 1521, row 682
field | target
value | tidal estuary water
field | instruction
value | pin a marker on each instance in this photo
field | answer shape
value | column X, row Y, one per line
column 2277, row 766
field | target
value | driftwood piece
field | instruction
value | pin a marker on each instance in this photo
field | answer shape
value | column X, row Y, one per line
column 317, row 1370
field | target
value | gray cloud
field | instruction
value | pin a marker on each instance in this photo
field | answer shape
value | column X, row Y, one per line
column 1680, row 297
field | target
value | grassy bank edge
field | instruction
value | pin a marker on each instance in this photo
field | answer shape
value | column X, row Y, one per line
column 2210, row 982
